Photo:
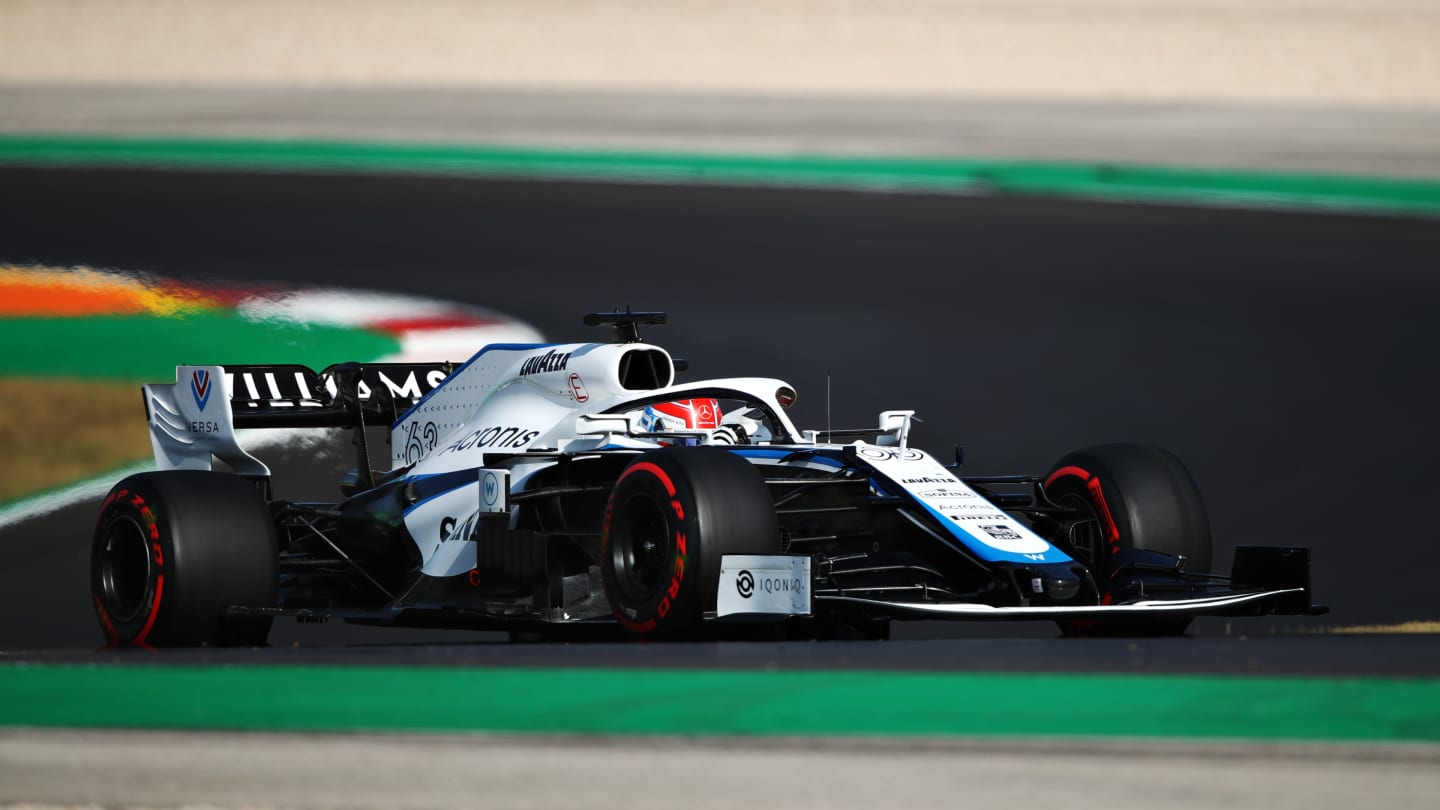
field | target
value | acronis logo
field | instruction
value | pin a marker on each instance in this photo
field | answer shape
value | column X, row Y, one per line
column 200, row 387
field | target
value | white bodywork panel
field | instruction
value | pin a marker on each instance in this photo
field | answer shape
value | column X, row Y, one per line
column 511, row 398
column 763, row 584
column 443, row 526
column 518, row 398
column 990, row 532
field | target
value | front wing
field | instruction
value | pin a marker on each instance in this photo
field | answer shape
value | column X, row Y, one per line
column 1223, row 604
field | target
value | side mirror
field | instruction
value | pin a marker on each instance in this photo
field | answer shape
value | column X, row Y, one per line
column 594, row 425
column 895, row 428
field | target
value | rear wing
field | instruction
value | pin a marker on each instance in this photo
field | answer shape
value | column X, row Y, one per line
column 289, row 396
column 194, row 420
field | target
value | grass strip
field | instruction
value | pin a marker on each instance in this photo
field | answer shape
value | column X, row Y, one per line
column 691, row 702
column 143, row 347
column 1074, row 179
column 66, row 430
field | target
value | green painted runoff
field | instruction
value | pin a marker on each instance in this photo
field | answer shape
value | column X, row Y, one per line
column 694, row 702
column 144, row 347
column 1078, row 179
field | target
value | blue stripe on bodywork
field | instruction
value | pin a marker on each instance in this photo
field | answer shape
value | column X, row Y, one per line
column 987, row 552
column 781, row 455
column 882, row 485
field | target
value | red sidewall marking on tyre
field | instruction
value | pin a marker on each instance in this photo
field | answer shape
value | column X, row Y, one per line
column 634, row 626
column 154, row 610
column 1114, row 531
column 678, row 571
column 147, row 516
column 653, row 469
column 638, row 627
column 1078, row 472
column 673, row 592
column 105, row 624
column 1092, row 485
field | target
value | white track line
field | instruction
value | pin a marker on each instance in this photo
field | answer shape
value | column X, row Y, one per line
column 46, row 503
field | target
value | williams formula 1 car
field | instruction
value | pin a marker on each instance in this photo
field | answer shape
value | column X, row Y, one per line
column 561, row 489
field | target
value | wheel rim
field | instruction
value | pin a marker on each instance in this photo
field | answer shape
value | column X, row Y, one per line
column 125, row 569
column 642, row 549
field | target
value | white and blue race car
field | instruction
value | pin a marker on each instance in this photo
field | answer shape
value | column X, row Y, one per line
column 570, row 488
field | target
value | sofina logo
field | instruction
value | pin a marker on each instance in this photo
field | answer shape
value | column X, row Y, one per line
column 200, row 387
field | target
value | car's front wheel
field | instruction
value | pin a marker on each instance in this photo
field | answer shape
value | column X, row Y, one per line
column 1129, row 498
column 672, row 515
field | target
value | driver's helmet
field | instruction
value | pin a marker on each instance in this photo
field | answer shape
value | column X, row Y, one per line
column 682, row 414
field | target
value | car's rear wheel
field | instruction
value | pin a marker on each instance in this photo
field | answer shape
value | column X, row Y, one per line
column 173, row 549
column 672, row 515
column 1130, row 498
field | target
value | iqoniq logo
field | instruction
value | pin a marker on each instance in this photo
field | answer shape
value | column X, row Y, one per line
column 745, row 584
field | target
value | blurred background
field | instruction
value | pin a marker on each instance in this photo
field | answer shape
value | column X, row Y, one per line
column 1043, row 224
column 1270, row 329
column 1333, row 85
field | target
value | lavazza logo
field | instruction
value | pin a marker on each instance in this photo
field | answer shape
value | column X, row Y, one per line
column 541, row 363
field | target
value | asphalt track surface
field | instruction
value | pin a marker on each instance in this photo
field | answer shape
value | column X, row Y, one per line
column 1288, row 358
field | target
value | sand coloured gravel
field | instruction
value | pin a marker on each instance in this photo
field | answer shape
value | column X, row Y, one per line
column 1329, row 52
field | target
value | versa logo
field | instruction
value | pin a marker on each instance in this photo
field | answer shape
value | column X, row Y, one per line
column 200, row 388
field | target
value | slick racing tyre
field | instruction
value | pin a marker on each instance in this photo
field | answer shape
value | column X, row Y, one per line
column 1135, row 498
column 173, row 549
column 671, row 516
